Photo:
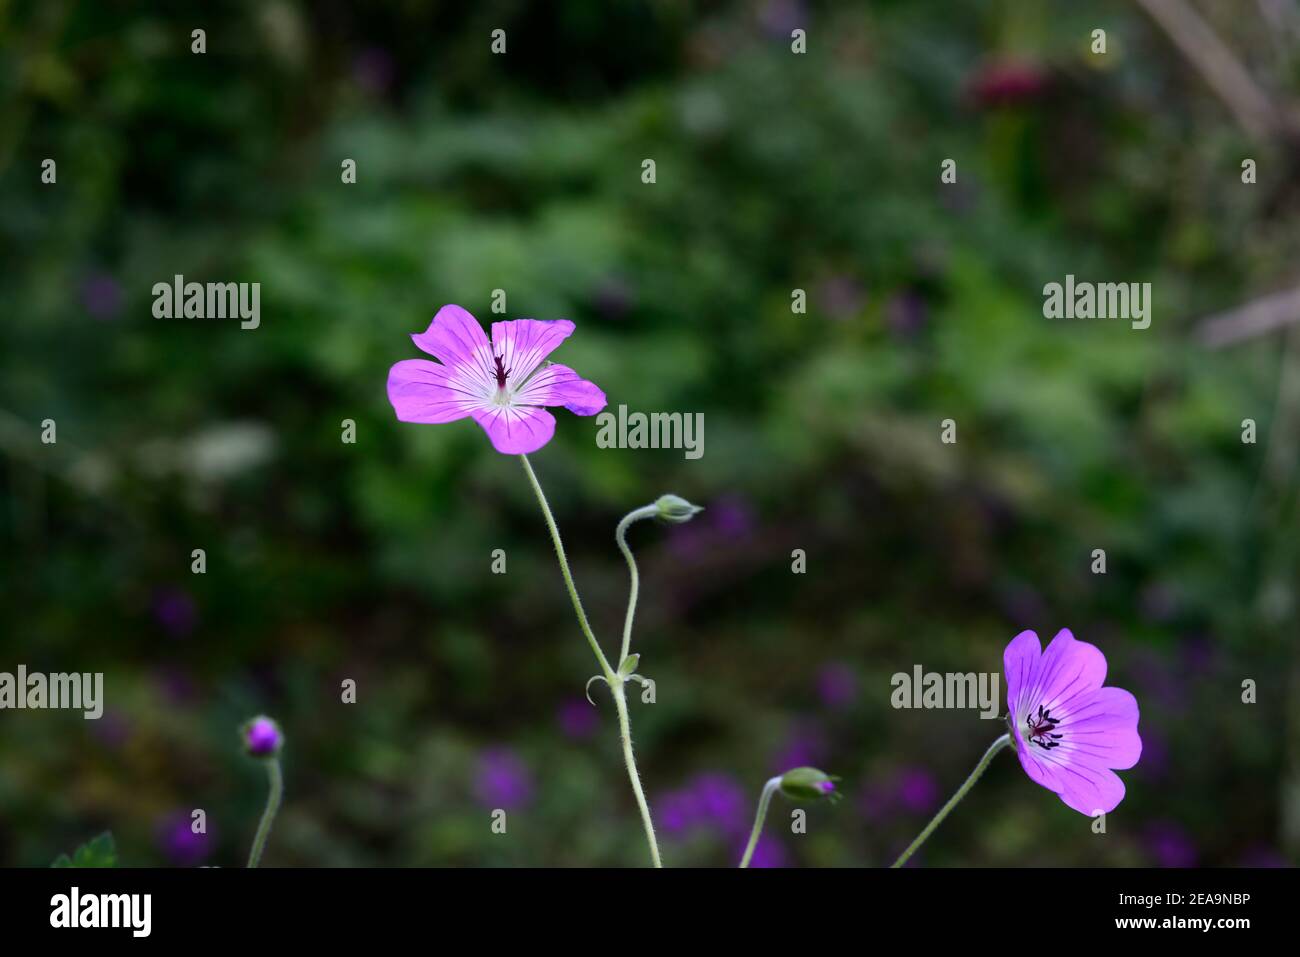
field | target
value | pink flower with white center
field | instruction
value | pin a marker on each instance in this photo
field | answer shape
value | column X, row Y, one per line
column 1070, row 731
column 501, row 384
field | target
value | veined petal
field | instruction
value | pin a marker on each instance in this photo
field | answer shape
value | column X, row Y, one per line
column 1040, row 770
column 1070, row 731
column 524, row 343
column 1086, row 788
column 1091, row 790
column 1020, row 665
column 426, row 392
column 455, row 338
column 515, row 429
column 557, row 384
column 1069, row 670
column 1102, row 729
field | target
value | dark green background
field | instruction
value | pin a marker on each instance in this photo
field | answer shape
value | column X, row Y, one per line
column 775, row 171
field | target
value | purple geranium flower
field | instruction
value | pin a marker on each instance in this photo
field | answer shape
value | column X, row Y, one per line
column 769, row 853
column 577, row 718
column 917, row 789
column 721, row 801
column 262, row 737
column 678, row 811
column 837, row 685
column 498, row 383
column 502, row 779
column 805, row 745
column 1070, row 731
column 177, row 839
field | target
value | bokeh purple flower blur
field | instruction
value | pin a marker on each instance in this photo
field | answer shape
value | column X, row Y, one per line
column 503, row 780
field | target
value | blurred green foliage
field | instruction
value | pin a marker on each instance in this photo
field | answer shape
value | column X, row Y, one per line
column 775, row 172
column 100, row 851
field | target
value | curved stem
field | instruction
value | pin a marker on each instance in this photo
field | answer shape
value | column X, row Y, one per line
column 564, row 569
column 625, row 733
column 268, row 815
column 611, row 677
column 763, row 801
column 994, row 748
column 620, row 536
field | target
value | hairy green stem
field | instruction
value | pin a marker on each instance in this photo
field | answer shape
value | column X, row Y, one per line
column 994, row 748
column 268, row 815
column 564, row 570
column 763, row 801
column 612, row 678
column 620, row 536
column 625, row 734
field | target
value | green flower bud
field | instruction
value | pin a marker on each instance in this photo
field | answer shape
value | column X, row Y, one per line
column 675, row 509
column 809, row 784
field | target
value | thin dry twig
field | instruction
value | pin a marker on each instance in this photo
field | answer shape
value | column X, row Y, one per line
column 1252, row 319
column 1218, row 66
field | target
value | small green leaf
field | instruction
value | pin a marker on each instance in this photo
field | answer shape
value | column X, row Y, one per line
column 99, row 851
column 629, row 665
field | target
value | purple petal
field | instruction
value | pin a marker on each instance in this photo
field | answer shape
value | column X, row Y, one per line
column 559, row 385
column 1041, row 771
column 1068, row 670
column 423, row 391
column 768, row 852
column 455, row 338
column 1102, row 729
column 524, row 343
column 516, row 430
column 1065, row 671
column 1086, row 788
column 1096, row 729
column 1019, row 664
